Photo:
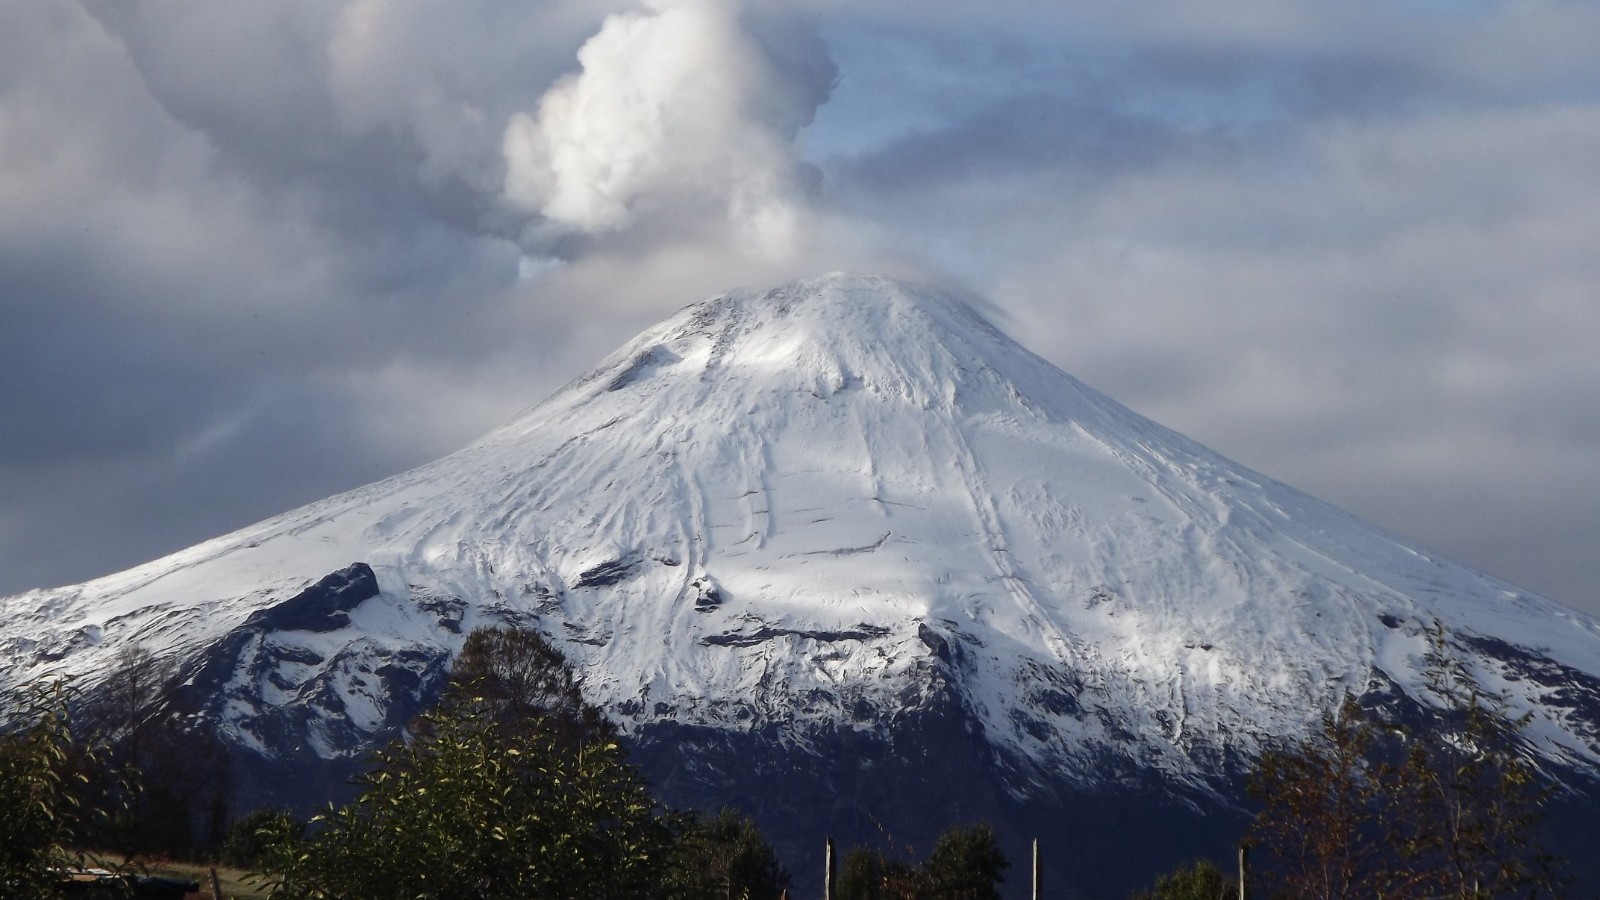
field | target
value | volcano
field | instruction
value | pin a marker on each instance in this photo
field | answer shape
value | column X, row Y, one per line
column 846, row 556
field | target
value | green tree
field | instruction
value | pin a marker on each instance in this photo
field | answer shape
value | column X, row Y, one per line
column 249, row 836
column 1199, row 880
column 966, row 864
column 870, row 875
column 723, row 858
column 466, row 813
column 478, row 805
column 42, row 775
column 521, row 682
column 861, row 875
column 41, row 816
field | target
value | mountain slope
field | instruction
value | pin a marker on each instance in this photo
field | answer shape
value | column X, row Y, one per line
column 811, row 512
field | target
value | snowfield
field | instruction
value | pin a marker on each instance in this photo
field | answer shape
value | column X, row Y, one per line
column 802, row 510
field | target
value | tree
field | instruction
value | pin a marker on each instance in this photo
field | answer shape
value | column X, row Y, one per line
column 861, row 875
column 42, row 773
column 1450, row 809
column 249, row 837
column 1200, row 880
column 870, row 875
column 1323, row 812
column 723, row 858
column 465, row 813
column 1473, row 804
column 166, row 775
column 966, row 864
column 41, row 817
column 476, row 806
column 520, row 681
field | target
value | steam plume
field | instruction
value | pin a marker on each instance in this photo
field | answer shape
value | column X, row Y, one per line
column 680, row 116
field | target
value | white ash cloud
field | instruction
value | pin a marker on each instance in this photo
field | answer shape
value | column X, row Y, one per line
column 679, row 117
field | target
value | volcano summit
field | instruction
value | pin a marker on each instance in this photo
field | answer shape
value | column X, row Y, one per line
column 837, row 552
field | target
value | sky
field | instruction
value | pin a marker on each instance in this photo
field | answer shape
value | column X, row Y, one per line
column 255, row 254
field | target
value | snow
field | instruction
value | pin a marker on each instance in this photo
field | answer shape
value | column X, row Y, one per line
column 848, row 460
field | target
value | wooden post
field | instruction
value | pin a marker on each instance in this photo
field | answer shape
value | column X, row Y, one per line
column 827, row 879
column 1244, row 867
column 216, row 885
column 1037, row 883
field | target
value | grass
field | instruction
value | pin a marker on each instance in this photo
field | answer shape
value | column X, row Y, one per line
column 236, row 885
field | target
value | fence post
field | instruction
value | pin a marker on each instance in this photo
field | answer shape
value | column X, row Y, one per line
column 1037, row 883
column 827, row 879
column 216, row 885
column 1244, row 868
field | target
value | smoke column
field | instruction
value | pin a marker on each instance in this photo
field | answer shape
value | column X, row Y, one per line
column 679, row 116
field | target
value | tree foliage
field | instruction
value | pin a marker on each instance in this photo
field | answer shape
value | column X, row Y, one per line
column 724, row 857
column 466, row 813
column 250, row 836
column 1474, row 803
column 1199, row 880
column 872, row 875
column 1450, row 810
column 1325, row 812
column 50, row 813
column 513, row 787
column 966, row 864
column 43, row 814
column 511, row 792
column 521, row 683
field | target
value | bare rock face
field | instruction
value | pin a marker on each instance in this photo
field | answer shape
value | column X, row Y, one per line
column 844, row 555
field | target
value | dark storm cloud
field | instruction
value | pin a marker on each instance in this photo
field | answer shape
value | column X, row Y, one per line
column 187, row 340
column 280, row 444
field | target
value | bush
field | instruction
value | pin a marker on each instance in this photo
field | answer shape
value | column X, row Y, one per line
column 38, row 773
column 247, row 839
column 966, row 864
column 464, row 813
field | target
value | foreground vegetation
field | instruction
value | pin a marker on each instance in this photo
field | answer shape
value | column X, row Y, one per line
column 514, row 786
column 1367, row 808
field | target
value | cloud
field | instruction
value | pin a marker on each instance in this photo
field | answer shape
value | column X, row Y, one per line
column 678, row 115
column 253, row 255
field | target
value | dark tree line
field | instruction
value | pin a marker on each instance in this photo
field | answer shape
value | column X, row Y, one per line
column 162, row 779
column 514, row 786
column 965, row 864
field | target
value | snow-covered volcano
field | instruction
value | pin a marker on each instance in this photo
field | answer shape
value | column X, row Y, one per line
column 804, row 513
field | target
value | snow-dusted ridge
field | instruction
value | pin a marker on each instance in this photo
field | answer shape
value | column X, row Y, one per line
column 801, row 510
